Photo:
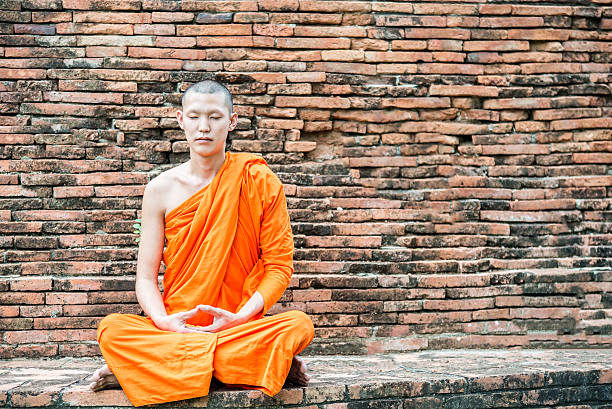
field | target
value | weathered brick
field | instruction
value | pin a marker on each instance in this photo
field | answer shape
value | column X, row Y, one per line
column 422, row 146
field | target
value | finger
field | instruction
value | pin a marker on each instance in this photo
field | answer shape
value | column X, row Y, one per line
column 211, row 310
column 209, row 328
column 191, row 330
column 197, row 331
column 216, row 311
column 188, row 314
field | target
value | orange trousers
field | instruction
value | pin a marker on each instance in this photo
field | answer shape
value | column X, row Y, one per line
column 254, row 355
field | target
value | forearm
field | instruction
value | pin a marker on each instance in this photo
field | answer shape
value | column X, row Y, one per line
column 252, row 307
column 274, row 283
column 150, row 299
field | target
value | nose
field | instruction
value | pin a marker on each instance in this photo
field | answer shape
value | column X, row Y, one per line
column 203, row 124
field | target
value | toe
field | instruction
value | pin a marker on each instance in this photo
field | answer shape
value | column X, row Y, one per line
column 105, row 371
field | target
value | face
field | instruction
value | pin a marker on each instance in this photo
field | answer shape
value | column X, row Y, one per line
column 206, row 122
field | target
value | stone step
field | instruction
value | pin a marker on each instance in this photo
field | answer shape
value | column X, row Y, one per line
column 550, row 378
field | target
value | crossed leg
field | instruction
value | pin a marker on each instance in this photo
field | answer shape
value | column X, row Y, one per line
column 254, row 355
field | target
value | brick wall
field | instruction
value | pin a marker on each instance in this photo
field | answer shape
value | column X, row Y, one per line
column 447, row 166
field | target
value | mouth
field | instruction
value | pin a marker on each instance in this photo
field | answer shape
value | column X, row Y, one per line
column 204, row 139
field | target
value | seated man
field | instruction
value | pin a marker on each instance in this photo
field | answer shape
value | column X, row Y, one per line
column 228, row 256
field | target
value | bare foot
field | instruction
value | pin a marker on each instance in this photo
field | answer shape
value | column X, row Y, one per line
column 297, row 373
column 103, row 378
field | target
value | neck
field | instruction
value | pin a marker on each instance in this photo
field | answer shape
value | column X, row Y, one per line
column 203, row 168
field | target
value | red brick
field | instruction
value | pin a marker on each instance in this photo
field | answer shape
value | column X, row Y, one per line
column 274, row 30
column 300, row 146
column 530, row 205
column 26, row 337
column 329, row 31
column 111, row 17
column 462, row 90
column 66, row 322
column 445, row 33
column 171, row 17
column 51, row 16
column 71, row 335
column 496, row 22
column 537, row 68
column 66, row 298
column 518, row 103
column 592, row 158
column 175, row 42
column 523, row 149
column 428, row 317
column 327, row 6
column 29, row 74
column 9, row 311
column 441, row 68
column 382, row 161
column 214, row 29
column 495, row 45
column 467, row 9
column 94, row 28
column 219, row 6
column 525, row 217
column 316, row 43
column 495, row 9
column 581, row 123
column 312, row 102
column 548, row 34
column 311, row 295
column 341, row 306
column 469, row 304
column 273, row 5
column 542, row 10
column 93, row 4
column 22, row 298
column 31, row 284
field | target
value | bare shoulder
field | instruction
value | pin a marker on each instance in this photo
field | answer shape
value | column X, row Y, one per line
column 159, row 189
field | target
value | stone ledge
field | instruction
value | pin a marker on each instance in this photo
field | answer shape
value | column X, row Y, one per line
column 426, row 379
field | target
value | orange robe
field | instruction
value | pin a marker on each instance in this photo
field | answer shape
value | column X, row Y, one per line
column 225, row 242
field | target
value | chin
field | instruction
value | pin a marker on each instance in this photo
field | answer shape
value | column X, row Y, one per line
column 208, row 152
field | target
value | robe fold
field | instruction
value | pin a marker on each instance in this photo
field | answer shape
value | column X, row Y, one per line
column 223, row 243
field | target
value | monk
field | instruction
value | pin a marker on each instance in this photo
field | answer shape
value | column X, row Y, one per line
column 229, row 257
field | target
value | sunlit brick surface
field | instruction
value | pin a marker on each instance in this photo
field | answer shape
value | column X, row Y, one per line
column 447, row 165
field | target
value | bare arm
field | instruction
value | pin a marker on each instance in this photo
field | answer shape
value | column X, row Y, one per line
column 150, row 254
column 149, row 257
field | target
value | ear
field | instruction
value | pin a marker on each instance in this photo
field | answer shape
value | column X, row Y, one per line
column 233, row 121
column 179, row 118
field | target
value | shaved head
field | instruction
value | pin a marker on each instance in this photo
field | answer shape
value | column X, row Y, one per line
column 210, row 87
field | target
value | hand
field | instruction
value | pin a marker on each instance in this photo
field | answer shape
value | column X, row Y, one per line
column 176, row 322
column 223, row 319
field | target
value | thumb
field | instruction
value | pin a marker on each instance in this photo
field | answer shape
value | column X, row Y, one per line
column 190, row 313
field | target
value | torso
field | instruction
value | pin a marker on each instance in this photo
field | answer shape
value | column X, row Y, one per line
column 177, row 188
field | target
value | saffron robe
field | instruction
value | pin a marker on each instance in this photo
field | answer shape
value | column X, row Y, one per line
column 225, row 242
